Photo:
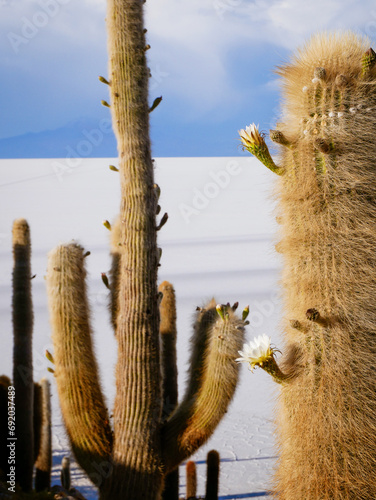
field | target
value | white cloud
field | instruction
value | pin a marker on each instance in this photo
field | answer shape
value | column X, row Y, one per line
column 191, row 40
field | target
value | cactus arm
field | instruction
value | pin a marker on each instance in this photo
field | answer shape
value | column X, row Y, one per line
column 213, row 378
column 138, row 401
column 167, row 331
column 82, row 405
column 43, row 463
column 22, row 352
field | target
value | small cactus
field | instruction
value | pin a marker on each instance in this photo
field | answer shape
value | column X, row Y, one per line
column 212, row 475
column 65, row 476
column 43, row 462
column 191, row 480
column 22, row 352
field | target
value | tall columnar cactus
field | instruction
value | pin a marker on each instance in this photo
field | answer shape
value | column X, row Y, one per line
column 327, row 205
column 22, row 352
column 132, row 458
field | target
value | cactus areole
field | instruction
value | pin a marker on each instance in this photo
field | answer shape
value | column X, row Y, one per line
column 327, row 203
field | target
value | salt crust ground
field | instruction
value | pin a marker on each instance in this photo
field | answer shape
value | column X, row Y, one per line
column 218, row 241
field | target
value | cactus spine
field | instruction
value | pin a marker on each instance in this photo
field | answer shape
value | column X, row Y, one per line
column 22, row 309
column 144, row 448
column 327, row 201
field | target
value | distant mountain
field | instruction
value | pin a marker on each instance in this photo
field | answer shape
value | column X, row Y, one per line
column 86, row 138
column 94, row 138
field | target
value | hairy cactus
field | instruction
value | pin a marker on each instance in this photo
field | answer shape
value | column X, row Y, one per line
column 327, row 199
column 131, row 458
column 22, row 352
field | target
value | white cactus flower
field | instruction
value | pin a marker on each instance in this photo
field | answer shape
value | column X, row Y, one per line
column 257, row 352
column 251, row 136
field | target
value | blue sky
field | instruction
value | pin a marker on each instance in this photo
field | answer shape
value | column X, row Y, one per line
column 211, row 60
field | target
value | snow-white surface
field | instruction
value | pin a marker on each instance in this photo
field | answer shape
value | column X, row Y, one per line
column 218, row 241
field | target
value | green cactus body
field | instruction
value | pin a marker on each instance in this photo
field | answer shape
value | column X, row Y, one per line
column 327, row 201
column 22, row 352
column 43, row 462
